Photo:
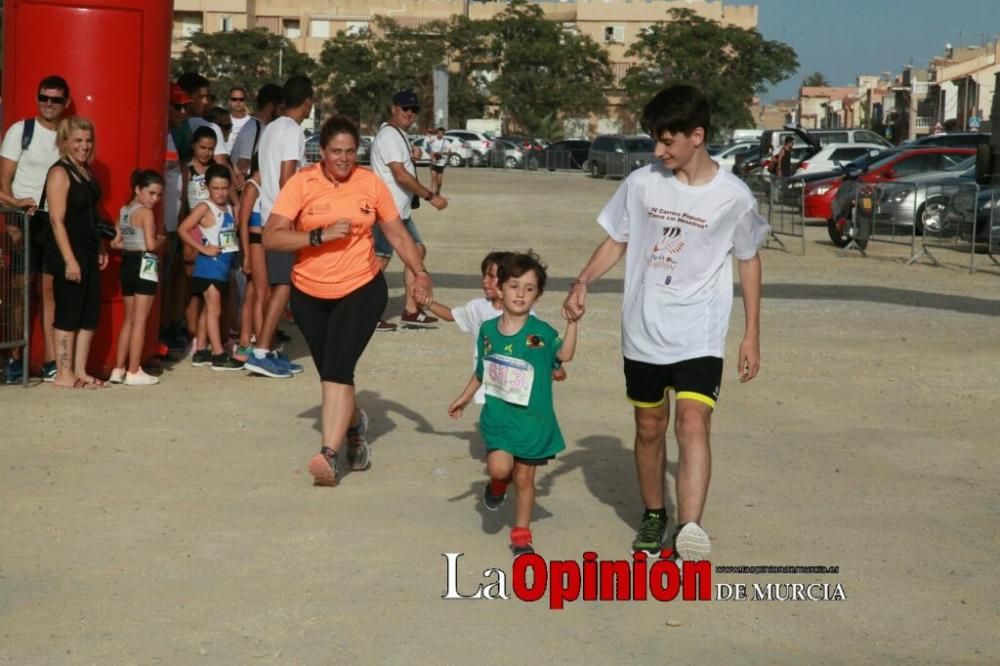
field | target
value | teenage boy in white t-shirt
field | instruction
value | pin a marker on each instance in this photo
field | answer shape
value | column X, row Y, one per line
column 676, row 222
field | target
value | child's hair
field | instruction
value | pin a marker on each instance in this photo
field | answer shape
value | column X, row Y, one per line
column 676, row 109
column 496, row 257
column 203, row 132
column 143, row 178
column 517, row 264
column 217, row 171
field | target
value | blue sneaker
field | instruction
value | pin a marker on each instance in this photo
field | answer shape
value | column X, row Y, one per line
column 15, row 371
column 293, row 367
column 269, row 366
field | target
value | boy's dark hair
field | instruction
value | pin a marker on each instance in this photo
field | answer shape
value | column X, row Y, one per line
column 520, row 263
column 54, row 82
column 335, row 125
column 271, row 93
column 496, row 257
column 217, row 171
column 789, row 139
column 297, row 90
column 676, row 109
column 190, row 82
column 204, row 132
column 216, row 114
column 142, row 178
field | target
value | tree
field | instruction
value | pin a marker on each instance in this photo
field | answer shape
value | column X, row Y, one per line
column 542, row 70
column 816, row 79
column 728, row 63
column 248, row 58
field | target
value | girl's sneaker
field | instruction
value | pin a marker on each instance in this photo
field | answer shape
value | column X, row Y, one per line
column 139, row 379
column 520, row 541
column 201, row 358
column 118, row 376
column 243, row 353
column 225, row 363
column 359, row 452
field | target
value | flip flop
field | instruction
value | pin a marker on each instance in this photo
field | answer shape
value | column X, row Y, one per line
column 77, row 384
column 97, row 383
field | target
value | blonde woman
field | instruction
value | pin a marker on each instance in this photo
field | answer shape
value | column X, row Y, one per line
column 77, row 255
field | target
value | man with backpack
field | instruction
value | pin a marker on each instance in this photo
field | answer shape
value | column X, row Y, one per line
column 270, row 105
column 28, row 150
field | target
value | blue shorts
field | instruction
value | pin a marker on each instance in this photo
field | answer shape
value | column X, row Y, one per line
column 382, row 247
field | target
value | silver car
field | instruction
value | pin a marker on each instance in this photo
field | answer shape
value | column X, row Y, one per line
column 921, row 198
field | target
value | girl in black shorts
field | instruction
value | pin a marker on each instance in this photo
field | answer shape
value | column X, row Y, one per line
column 253, row 263
column 139, row 242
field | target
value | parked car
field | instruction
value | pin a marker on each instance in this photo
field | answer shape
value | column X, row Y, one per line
column 459, row 152
column 913, row 199
column 479, row 143
column 727, row 156
column 508, row 155
column 569, row 154
column 891, row 166
column 618, row 154
column 772, row 140
column 952, row 139
column 983, row 207
column 529, row 146
column 833, row 155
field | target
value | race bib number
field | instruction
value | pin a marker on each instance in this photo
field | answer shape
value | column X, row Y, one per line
column 227, row 241
column 149, row 267
column 507, row 378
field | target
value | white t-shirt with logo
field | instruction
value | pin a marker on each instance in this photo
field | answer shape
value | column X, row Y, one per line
column 283, row 140
column 391, row 146
column 678, row 269
column 32, row 164
column 221, row 148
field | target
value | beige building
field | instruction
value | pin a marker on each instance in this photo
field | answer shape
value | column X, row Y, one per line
column 308, row 24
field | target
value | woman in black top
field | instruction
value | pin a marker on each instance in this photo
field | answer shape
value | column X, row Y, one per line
column 78, row 254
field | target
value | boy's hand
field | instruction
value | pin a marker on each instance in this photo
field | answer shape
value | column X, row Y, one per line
column 749, row 359
column 210, row 250
column 457, row 406
column 573, row 306
column 559, row 375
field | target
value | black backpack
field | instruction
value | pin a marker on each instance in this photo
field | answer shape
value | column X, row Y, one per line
column 28, row 133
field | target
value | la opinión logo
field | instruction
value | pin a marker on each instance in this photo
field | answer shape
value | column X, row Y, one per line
column 532, row 578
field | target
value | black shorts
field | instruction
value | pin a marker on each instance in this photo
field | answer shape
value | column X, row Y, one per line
column 279, row 267
column 256, row 238
column 337, row 330
column 200, row 285
column 646, row 384
column 129, row 278
column 437, row 169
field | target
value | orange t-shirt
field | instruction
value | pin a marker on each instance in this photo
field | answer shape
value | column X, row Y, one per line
column 311, row 200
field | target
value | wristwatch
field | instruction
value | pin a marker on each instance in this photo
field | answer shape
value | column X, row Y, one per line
column 429, row 196
column 316, row 237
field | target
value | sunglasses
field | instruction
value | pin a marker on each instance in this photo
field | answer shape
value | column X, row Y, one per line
column 237, row 99
column 411, row 109
column 51, row 99
column 178, row 107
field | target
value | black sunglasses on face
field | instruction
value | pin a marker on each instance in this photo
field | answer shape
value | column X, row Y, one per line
column 411, row 109
column 237, row 99
column 51, row 99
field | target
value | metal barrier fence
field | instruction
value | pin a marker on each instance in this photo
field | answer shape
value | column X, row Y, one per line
column 780, row 201
column 952, row 214
column 15, row 246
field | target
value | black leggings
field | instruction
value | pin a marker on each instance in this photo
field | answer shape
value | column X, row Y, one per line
column 337, row 330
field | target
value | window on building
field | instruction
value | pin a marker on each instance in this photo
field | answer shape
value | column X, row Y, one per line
column 356, row 28
column 319, row 28
column 187, row 24
column 291, row 28
column 614, row 34
column 226, row 24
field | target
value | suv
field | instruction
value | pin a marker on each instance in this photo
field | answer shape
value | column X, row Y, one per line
column 478, row 142
column 950, row 139
column 619, row 154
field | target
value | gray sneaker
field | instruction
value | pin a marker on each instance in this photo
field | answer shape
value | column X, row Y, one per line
column 359, row 452
column 691, row 543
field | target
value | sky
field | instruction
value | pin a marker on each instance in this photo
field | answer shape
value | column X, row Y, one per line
column 844, row 38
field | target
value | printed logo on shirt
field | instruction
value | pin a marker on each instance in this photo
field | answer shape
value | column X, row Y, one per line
column 535, row 342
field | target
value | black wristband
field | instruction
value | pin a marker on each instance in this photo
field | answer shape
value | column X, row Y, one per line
column 316, row 237
column 429, row 196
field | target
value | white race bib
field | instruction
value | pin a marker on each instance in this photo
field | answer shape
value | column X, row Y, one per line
column 149, row 267
column 227, row 241
column 507, row 378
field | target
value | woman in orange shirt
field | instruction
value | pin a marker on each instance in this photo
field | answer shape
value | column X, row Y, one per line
column 325, row 214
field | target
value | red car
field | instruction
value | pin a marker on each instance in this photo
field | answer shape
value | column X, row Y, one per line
column 833, row 199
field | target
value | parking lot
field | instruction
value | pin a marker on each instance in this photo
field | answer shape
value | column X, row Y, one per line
column 177, row 525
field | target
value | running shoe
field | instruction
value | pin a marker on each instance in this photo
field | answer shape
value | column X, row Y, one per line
column 140, row 379
column 520, row 541
column 359, row 452
column 650, row 535
column 492, row 502
column 267, row 367
column 201, row 358
column 226, row 363
column 15, row 371
column 418, row 319
column 242, row 353
column 691, row 543
column 323, row 467
column 49, row 371
column 117, row 376
column 384, row 326
column 292, row 366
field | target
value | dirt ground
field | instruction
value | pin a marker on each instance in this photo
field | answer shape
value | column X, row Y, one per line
column 176, row 524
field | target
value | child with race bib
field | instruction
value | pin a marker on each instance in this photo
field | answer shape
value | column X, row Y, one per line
column 138, row 240
column 216, row 248
column 516, row 354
